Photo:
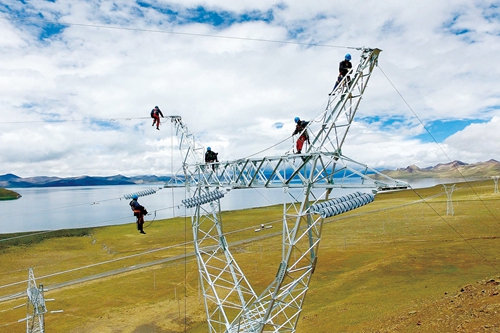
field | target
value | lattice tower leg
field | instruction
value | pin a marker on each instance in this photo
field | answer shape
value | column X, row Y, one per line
column 225, row 288
column 278, row 308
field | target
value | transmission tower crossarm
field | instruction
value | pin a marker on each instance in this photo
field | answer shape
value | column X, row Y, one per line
column 321, row 169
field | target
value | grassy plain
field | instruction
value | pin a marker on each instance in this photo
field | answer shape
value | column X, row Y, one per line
column 6, row 194
column 376, row 265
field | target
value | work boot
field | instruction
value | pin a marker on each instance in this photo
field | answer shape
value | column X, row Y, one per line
column 142, row 232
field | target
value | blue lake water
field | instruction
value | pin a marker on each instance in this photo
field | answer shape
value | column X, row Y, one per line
column 52, row 208
column 88, row 206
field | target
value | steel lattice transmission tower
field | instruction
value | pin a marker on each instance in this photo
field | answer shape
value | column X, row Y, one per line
column 35, row 307
column 495, row 179
column 449, row 202
column 306, row 179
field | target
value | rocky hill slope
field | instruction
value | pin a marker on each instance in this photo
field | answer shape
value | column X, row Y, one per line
column 455, row 169
column 473, row 308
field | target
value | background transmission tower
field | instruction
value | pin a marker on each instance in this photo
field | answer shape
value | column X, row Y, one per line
column 36, row 309
column 495, row 179
column 449, row 203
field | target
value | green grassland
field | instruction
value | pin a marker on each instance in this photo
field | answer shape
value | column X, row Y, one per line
column 387, row 258
column 8, row 194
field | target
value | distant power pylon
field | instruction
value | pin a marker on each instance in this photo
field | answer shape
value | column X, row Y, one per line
column 449, row 203
column 495, row 179
column 35, row 307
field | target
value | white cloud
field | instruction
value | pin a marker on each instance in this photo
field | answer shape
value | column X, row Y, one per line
column 474, row 140
column 230, row 92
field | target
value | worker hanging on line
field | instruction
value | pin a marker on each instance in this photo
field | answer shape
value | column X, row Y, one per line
column 139, row 212
column 211, row 157
column 300, row 128
column 344, row 68
column 155, row 114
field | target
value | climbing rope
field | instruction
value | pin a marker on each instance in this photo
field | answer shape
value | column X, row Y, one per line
column 151, row 222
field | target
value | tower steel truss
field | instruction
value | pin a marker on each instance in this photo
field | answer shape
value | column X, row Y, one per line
column 230, row 302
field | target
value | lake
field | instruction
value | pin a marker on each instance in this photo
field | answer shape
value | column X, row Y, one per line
column 52, row 208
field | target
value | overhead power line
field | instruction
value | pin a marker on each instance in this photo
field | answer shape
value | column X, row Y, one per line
column 171, row 32
column 70, row 120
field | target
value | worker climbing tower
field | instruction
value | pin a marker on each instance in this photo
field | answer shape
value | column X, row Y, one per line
column 307, row 180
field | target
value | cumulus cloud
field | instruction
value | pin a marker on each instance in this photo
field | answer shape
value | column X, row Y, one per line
column 79, row 78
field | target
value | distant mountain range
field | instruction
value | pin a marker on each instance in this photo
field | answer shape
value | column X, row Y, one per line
column 455, row 169
column 11, row 180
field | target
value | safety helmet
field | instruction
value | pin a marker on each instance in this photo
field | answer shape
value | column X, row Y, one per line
column 347, row 56
column 135, row 197
column 208, row 148
column 297, row 119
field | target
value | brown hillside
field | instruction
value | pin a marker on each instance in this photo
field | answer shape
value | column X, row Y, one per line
column 455, row 169
column 473, row 308
column 399, row 264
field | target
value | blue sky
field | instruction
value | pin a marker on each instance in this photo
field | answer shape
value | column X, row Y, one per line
column 78, row 80
column 433, row 131
column 439, row 130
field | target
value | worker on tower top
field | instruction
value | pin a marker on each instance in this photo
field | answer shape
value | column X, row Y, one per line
column 155, row 114
column 344, row 68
